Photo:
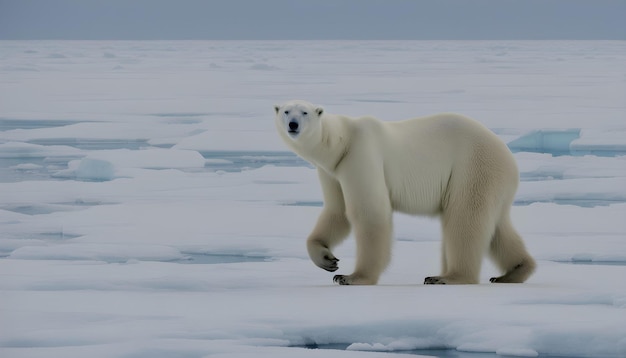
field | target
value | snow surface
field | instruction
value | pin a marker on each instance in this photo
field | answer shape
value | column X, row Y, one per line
column 148, row 209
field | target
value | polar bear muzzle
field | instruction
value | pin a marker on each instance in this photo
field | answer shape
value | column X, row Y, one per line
column 294, row 127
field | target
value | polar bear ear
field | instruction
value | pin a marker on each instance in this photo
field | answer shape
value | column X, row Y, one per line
column 319, row 111
column 276, row 108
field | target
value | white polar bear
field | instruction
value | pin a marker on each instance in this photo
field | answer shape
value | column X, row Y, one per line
column 446, row 165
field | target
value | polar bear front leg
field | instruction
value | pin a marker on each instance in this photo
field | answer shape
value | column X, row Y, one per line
column 332, row 225
column 369, row 211
column 373, row 233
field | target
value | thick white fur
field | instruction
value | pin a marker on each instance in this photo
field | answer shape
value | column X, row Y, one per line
column 442, row 165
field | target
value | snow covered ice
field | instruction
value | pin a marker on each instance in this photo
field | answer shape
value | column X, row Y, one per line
column 149, row 209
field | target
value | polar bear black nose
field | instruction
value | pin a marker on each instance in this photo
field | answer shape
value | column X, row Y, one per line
column 293, row 126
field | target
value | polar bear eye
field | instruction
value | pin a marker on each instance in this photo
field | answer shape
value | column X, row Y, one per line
column 286, row 112
column 305, row 113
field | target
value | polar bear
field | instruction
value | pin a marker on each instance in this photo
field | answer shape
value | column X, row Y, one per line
column 442, row 165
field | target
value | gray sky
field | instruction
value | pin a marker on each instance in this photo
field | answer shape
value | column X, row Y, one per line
column 312, row 19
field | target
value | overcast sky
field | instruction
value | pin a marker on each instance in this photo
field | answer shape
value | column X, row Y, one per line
column 312, row 19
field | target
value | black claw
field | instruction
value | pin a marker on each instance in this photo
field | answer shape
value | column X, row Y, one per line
column 433, row 281
column 331, row 264
column 340, row 279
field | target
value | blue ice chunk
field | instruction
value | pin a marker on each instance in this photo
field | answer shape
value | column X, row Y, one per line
column 570, row 142
column 95, row 170
column 555, row 142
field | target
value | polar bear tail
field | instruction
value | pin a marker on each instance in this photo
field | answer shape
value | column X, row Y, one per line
column 508, row 252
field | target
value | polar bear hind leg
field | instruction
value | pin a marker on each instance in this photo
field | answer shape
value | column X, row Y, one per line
column 475, row 220
column 508, row 252
column 464, row 244
column 466, row 239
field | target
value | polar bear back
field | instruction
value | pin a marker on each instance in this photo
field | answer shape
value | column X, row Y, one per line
column 436, row 154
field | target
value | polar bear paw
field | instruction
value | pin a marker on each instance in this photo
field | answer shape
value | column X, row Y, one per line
column 450, row 280
column 435, row 280
column 329, row 263
column 321, row 256
column 517, row 274
column 354, row 279
column 342, row 280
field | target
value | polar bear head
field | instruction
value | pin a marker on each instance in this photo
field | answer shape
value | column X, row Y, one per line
column 299, row 122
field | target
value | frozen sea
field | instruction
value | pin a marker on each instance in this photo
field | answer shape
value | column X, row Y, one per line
column 149, row 209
